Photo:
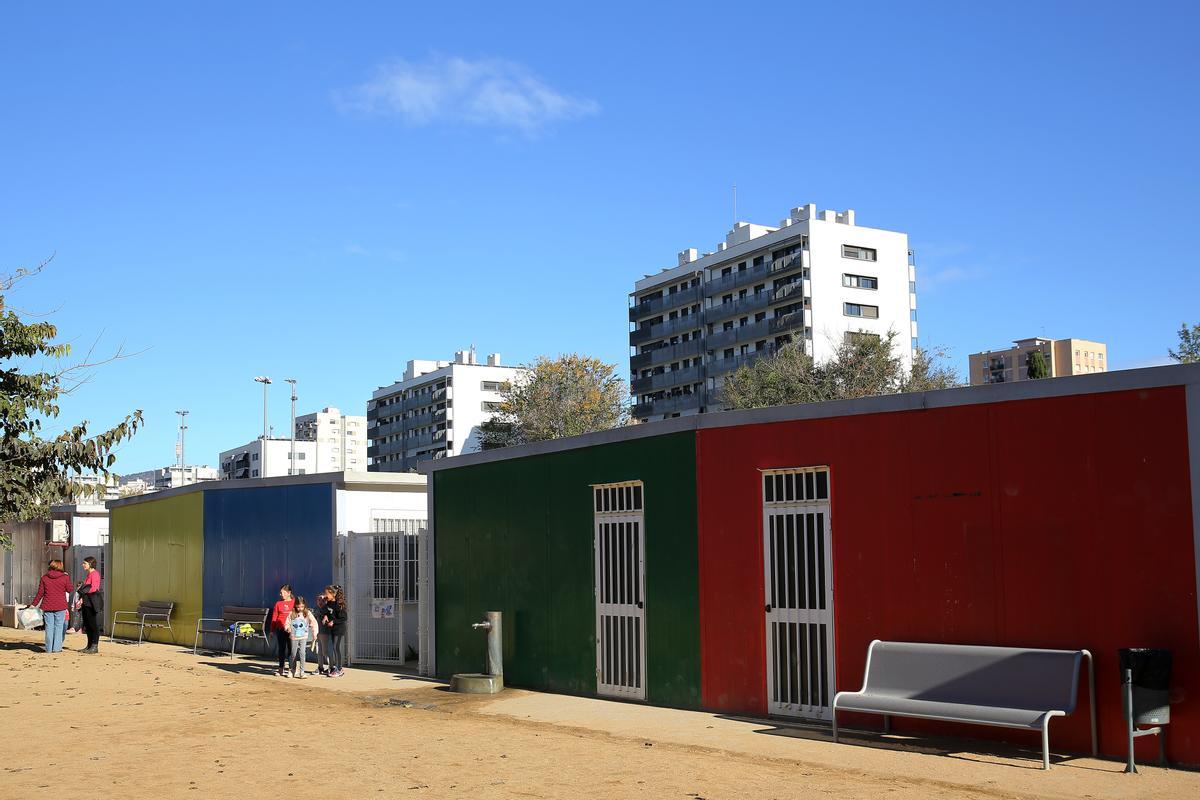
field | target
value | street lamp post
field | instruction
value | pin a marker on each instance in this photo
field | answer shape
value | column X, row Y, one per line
column 262, row 463
column 292, row 466
column 182, row 458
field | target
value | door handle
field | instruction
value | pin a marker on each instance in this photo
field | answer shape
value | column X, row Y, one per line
column 768, row 606
column 639, row 605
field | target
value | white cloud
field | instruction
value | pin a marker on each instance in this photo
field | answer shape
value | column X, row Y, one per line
column 491, row 92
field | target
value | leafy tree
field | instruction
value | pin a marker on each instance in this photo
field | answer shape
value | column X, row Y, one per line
column 1189, row 345
column 862, row 366
column 564, row 396
column 36, row 471
column 1037, row 366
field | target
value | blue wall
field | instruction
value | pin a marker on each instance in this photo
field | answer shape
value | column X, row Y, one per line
column 257, row 539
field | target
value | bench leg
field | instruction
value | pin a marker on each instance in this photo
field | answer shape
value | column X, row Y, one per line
column 141, row 631
column 835, row 728
column 1046, row 743
column 196, row 644
column 232, row 645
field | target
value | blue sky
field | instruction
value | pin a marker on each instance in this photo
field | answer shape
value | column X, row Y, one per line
column 325, row 191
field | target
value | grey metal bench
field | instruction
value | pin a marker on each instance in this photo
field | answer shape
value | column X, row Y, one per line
column 233, row 616
column 149, row 614
column 1007, row 687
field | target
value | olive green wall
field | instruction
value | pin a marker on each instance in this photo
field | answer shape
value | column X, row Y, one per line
column 517, row 536
column 158, row 554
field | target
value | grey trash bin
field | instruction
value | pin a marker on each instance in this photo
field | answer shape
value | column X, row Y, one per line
column 1145, row 696
column 1151, row 672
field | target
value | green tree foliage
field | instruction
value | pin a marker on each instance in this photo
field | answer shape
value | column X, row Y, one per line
column 1037, row 366
column 1189, row 345
column 863, row 366
column 564, row 396
column 36, row 471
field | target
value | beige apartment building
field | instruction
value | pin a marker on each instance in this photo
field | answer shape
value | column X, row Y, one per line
column 1063, row 357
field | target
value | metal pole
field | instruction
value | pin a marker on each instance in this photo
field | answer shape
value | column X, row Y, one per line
column 1127, row 687
column 495, row 643
column 182, row 435
column 292, row 466
column 262, row 465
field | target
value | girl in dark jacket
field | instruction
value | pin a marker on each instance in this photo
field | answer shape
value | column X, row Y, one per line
column 92, row 604
column 333, row 619
column 53, row 593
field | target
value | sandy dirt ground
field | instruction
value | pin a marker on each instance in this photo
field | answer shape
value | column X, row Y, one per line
column 157, row 722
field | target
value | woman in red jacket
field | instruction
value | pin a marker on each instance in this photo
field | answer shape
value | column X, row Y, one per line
column 54, row 594
column 279, row 615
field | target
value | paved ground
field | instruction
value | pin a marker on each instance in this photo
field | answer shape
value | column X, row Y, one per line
column 156, row 722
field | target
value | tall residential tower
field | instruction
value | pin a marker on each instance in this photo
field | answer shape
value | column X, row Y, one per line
column 816, row 279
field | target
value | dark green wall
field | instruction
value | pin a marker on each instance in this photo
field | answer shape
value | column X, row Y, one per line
column 517, row 536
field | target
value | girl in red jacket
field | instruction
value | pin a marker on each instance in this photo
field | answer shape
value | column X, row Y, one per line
column 279, row 617
column 54, row 594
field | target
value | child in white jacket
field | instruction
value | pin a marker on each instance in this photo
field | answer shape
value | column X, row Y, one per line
column 302, row 628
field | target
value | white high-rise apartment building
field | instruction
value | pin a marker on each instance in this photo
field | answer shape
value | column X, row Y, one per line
column 435, row 410
column 154, row 480
column 817, row 279
column 326, row 441
column 341, row 440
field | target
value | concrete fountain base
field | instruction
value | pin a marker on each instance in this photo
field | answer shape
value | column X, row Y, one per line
column 476, row 683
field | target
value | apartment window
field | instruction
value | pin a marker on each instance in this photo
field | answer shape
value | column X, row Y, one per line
column 254, row 456
column 726, row 271
column 494, row 386
column 859, row 253
column 727, row 299
column 859, row 281
column 728, row 353
column 489, row 406
column 728, row 326
column 253, row 473
column 860, row 310
column 861, row 337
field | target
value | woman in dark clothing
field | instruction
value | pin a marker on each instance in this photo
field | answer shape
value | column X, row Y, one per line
column 279, row 616
column 93, row 604
column 52, row 593
column 333, row 619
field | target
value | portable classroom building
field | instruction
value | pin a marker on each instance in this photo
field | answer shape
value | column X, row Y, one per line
column 742, row 562
column 227, row 543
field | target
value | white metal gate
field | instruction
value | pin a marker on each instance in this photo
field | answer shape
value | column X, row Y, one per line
column 620, row 591
column 797, row 556
column 375, row 588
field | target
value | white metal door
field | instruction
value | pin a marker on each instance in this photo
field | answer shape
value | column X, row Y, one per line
column 620, row 591
column 797, row 556
column 376, row 588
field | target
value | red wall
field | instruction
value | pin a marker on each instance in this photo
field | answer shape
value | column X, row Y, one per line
column 1058, row 522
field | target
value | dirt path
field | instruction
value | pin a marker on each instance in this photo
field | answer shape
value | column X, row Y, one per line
column 155, row 722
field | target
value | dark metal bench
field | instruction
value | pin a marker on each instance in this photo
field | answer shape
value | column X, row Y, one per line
column 149, row 614
column 1008, row 687
column 232, row 618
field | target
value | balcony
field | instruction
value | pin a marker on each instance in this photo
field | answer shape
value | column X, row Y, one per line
column 424, row 439
column 736, row 280
column 793, row 261
column 372, row 414
column 649, row 308
column 723, row 339
column 793, row 291
column 667, row 405
column 387, row 429
column 668, row 328
column 721, row 366
column 664, row 354
column 788, row 322
column 665, row 380
column 739, row 308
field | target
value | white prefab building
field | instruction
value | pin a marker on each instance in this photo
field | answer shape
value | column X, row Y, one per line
column 435, row 410
column 817, row 279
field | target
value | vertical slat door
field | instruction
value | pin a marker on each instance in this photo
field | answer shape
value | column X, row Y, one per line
column 620, row 591
column 376, row 588
column 797, row 560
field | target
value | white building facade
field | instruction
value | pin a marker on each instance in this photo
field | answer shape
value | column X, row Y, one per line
column 435, row 410
column 341, row 440
column 269, row 459
column 817, row 279
column 155, row 480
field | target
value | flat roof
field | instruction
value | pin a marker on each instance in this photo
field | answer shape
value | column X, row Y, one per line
column 1095, row 383
column 364, row 481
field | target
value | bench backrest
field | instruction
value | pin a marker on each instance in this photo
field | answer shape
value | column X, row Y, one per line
column 1005, row 677
column 163, row 607
column 238, row 614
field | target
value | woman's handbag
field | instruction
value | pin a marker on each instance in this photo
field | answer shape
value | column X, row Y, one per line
column 30, row 617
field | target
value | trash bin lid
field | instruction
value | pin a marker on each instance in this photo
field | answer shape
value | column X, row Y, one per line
column 1151, row 666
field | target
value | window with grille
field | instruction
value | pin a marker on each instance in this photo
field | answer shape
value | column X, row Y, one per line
column 859, row 253
column 396, row 557
column 624, row 498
